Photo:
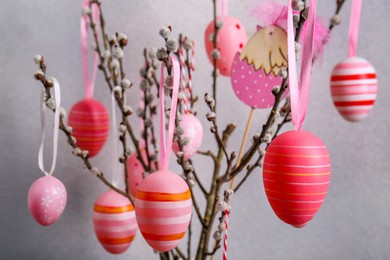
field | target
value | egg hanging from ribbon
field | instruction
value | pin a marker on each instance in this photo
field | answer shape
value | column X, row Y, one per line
column 163, row 202
column 193, row 132
column 47, row 200
column 90, row 122
column 114, row 222
column 231, row 38
column 255, row 72
column 296, row 176
column 354, row 87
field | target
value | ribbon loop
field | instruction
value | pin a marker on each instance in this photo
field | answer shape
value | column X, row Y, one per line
column 116, row 177
column 299, row 92
column 165, row 147
column 354, row 25
column 223, row 7
column 89, row 84
column 57, row 100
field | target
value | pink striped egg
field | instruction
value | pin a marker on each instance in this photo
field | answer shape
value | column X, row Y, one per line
column 91, row 123
column 296, row 176
column 47, row 200
column 231, row 38
column 114, row 222
column 163, row 203
column 193, row 131
column 354, row 87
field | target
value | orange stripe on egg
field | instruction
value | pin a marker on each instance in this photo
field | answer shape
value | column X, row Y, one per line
column 297, row 174
column 163, row 237
column 158, row 196
column 116, row 241
column 112, row 210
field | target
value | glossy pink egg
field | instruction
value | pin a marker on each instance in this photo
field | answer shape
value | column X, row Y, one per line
column 231, row 38
column 163, row 203
column 47, row 200
column 114, row 222
column 91, row 123
column 296, row 175
column 193, row 131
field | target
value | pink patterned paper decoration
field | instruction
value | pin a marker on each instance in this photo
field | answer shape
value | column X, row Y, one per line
column 114, row 222
column 231, row 38
column 47, row 200
column 255, row 72
column 354, row 87
column 193, row 131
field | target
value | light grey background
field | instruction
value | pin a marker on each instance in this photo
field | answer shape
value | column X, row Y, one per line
column 353, row 223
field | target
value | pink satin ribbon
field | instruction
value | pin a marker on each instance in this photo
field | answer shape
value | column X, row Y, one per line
column 165, row 147
column 223, row 7
column 89, row 84
column 299, row 93
column 354, row 27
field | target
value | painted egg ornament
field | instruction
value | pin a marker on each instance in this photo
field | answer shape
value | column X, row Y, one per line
column 255, row 72
column 114, row 222
column 193, row 131
column 231, row 38
column 47, row 200
column 135, row 171
column 90, row 122
column 296, row 176
column 163, row 203
column 354, row 87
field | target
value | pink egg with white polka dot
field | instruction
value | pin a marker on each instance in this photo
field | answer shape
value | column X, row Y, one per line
column 231, row 38
column 135, row 170
column 193, row 132
column 47, row 200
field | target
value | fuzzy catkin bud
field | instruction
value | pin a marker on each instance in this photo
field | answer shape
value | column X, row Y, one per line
column 187, row 44
column 126, row 83
column 211, row 116
column 298, row 5
column 127, row 110
column 169, row 82
column 106, row 54
column 215, row 54
column 222, row 206
column 122, row 39
column 335, row 20
column 39, row 75
column 118, row 91
column 162, row 54
column 165, row 31
column 117, row 52
column 51, row 103
column 38, row 59
column 152, row 53
column 171, row 45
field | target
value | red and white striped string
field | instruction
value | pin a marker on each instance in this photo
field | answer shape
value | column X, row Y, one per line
column 186, row 85
column 183, row 80
column 225, row 236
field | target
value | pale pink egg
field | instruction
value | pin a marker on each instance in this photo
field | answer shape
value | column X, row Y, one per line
column 354, row 87
column 193, row 131
column 47, row 200
column 114, row 222
column 164, row 206
column 231, row 38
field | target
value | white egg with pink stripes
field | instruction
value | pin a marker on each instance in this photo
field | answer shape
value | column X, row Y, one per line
column 354, row 87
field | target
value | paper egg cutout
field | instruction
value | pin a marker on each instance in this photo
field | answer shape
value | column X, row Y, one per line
column 114, row 222
column 163, row 203
column 91, row 123
column 231, row 38
column 296, row 176
column 135, row 170
column 255, row 72
column 47, row 200
column 354, row 87
column 193, row 131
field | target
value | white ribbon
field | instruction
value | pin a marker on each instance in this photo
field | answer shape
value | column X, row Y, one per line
column 57, row 94
column 116, row 180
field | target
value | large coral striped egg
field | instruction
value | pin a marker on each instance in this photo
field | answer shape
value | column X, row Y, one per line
column 296, row 175
column 231, row 38
column 91, row 123
column 163, row 203
column 114, row 221
column 354, row 88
